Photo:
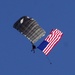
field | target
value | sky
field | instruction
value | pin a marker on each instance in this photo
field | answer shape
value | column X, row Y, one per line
column 16, row 57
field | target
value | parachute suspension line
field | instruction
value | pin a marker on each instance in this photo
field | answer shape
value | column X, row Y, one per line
column 48, row 59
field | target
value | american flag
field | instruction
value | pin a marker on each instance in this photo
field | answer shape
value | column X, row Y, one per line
column 50, row 41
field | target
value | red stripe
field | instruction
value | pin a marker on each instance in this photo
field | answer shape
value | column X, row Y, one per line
column 53, row 38
column 51, row 44
column 50, row 36
column 55, row 44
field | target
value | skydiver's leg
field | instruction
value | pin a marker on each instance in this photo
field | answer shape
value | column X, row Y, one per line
column 33, row 47
column 33, row 51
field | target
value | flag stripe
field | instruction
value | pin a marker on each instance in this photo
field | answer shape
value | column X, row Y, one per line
column 49, row 37
column 52, row 47
column 54, row 32
column 50, row 44
column 53, row 38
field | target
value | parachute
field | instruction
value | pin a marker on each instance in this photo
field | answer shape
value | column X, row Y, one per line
column 29, row 28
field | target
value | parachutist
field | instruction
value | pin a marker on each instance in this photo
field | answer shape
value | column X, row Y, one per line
column 33, row 47
column 33, row 32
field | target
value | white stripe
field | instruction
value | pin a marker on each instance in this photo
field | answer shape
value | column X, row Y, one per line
column 50, row 36
column 51, row 40
column 49, row 49
column 52, row 46
column 56, row 35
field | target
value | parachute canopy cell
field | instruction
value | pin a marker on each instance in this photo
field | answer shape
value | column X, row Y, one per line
column 29, row 28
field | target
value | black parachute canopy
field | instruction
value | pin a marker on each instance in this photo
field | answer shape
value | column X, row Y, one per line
column 29, row 28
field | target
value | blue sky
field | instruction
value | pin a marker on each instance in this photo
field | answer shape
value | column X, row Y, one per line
column 16, row 57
